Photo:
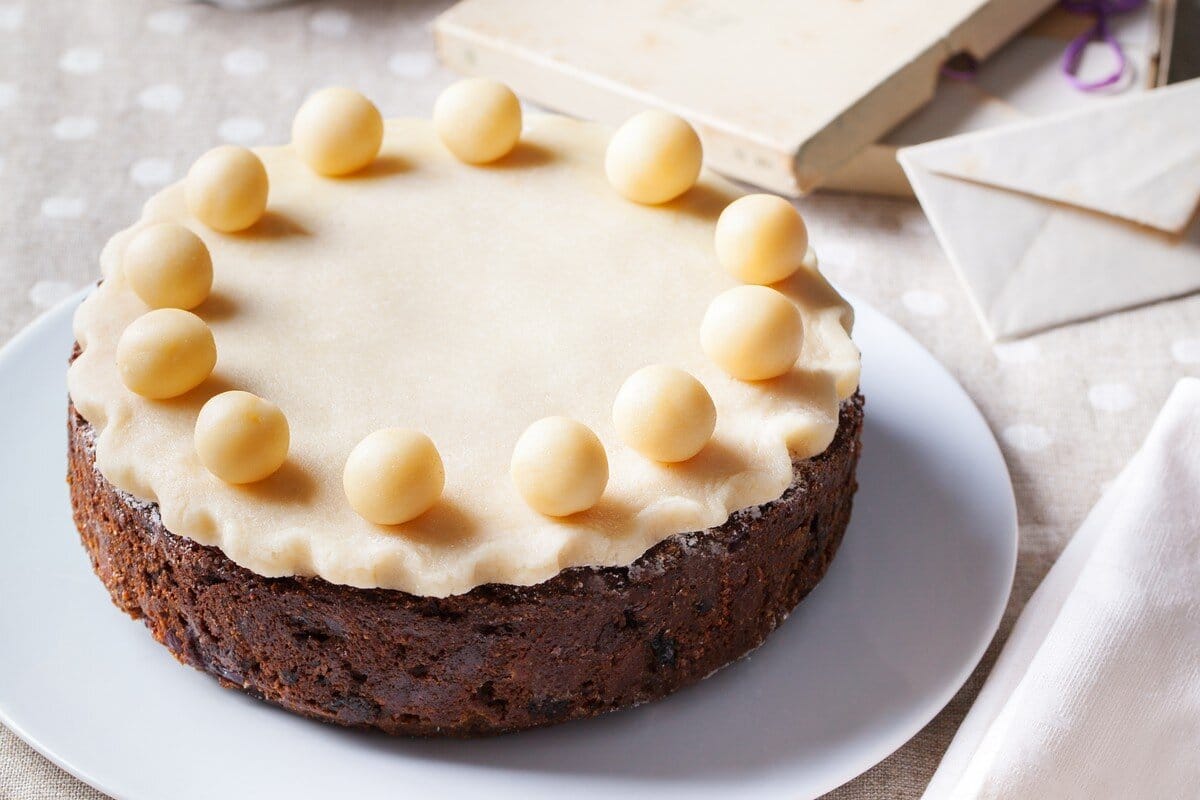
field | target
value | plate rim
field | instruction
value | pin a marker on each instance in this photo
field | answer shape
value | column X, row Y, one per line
column 888, row 745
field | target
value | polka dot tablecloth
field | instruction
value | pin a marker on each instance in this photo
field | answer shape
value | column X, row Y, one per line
column 101, row 103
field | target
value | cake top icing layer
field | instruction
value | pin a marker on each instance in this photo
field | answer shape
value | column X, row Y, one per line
column 465, row 302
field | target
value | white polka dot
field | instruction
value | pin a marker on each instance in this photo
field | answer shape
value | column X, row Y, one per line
column 152, row 171
column 47, row 294
column 81, row 60
column 1025, row 352
column 63, row 207
column 1186, row 351
column 71, row 129
column 8, row 95
column 412, row 64
column 161, row 97
column 245, row 62
column 173, row 21
column 12, row 17
column 927, row 304
column 1111, row 397
column 241, row 130
column 331, row 22
column 1029, row 438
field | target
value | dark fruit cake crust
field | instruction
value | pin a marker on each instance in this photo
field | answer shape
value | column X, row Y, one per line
column 498, row 658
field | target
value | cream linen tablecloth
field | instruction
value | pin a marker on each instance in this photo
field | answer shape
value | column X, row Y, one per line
column 103, row 102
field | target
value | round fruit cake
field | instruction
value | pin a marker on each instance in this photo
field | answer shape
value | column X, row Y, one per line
column 462, row 426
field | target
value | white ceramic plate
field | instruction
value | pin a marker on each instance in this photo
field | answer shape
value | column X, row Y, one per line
column 894, row 630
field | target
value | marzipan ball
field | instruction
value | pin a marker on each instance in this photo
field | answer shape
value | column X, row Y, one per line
column 752, row 332
column 168, row 266
column 654, row 157
column 241, row 438
column 559, row 467
column 165, row 353
column 478, row 119
column 393, row 475
column 226, row 188
column 664, row 413
column 761, row 238
column 337, row 131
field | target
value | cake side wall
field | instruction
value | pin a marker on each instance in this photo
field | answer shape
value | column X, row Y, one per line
column 496, row 659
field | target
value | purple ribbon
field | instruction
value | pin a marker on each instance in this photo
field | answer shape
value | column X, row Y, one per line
column 1100, row 10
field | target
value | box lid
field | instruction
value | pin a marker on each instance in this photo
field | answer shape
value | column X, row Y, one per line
column 781, row 92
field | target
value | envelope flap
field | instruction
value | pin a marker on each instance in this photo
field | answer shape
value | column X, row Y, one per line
column 1136, row 158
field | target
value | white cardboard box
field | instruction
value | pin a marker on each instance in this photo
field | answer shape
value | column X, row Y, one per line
column 782, row 92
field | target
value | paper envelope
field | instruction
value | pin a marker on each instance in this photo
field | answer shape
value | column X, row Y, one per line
column 1069, row 217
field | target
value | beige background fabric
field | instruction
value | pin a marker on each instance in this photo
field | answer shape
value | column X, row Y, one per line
column 103, row 102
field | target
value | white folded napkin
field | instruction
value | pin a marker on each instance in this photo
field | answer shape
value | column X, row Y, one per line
column 1068, row 217
column 1096, row 694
